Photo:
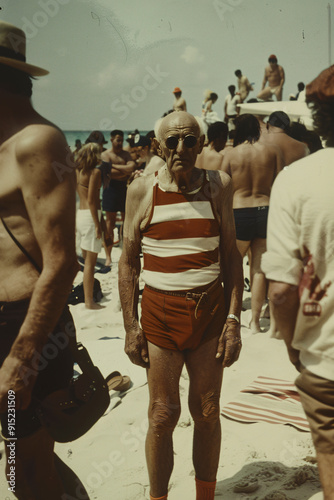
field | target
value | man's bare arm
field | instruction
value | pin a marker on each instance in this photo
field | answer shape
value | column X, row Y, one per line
column 50, row 206
column 93, row 199
column 282, row 76
column 284, row 299
column 129, row 271
column 225, row 165
column 265, row 79
column 231, row 263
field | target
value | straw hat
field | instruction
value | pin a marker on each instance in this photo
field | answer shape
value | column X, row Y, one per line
column 13, row 50
column 177, row 90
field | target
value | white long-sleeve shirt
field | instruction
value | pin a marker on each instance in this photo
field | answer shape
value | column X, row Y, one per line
column 300, row 251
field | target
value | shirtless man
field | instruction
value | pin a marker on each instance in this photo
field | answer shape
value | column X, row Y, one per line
column 37, row 205
column 179, row 102
column 253, row 167
column 244, row 86
column 274, row 75
column 276, row 134
column 117, row 166
column 185, row 232
column 212, row 155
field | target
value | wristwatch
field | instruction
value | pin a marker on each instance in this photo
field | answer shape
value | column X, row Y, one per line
column 233, row 316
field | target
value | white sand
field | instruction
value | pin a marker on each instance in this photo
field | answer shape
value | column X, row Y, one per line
column 110, row 458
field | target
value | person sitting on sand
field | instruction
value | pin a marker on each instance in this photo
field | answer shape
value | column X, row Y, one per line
column 253, row 167
column 274, row 75
column 89, row 225
column 187, row 319
column 211, row 157
column 299, row 264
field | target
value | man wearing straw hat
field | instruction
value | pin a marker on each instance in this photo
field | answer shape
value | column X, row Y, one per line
column 37, row 267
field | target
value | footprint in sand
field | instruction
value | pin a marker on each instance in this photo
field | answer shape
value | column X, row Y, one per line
column 276, row 495
column 300, row 477
column 246, row 486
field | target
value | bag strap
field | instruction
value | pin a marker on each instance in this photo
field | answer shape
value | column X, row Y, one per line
column 21, row 247
column 72, row 346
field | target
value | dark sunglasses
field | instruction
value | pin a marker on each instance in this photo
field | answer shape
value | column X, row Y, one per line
column 189, row 141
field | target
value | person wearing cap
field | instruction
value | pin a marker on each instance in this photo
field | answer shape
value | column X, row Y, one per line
column 97, row 137
column 299, row 263
column 118, row 165
column 187, row 238
column 274, row 76
column 37, row 267
column 276, row 133
column 179, row 101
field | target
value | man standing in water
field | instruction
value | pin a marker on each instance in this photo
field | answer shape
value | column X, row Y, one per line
column 37, row 209
column 274, row 75
column 182, row 218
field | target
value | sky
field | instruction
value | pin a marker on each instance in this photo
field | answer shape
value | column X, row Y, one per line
column 115, row 64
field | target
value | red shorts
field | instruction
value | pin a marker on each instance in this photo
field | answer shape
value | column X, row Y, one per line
column 182, row 322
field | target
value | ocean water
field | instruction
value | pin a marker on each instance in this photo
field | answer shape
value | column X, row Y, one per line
column 73, row 135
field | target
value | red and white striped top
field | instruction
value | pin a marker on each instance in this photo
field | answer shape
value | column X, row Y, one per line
column 181, row 240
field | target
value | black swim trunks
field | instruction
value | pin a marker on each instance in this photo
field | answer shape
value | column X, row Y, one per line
column 114, row 195
column 54, row 364
column 251, row 222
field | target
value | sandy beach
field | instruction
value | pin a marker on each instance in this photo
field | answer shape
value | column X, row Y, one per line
column 110, row 458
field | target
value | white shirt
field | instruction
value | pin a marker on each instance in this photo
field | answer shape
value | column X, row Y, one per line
column 300, row 229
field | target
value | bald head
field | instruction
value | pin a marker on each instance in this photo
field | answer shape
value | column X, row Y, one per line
column 178, row 120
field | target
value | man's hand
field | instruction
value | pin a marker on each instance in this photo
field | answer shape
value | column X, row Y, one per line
column 136, row 347
column 18, row 377
column 229, row 344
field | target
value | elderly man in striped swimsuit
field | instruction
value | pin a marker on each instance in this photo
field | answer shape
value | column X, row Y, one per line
column 182, row 218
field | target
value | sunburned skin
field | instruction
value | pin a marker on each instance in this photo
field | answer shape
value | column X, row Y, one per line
column 164, row 366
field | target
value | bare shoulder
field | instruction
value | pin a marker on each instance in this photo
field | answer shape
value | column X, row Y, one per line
column 39, row 138
column 106, row 155
column 139, row 190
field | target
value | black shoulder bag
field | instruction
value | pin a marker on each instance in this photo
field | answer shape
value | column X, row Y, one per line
column 69, row 413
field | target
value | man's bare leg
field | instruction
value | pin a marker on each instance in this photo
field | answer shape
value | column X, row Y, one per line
column 110, row 224
column 88, row 280
column 258, row 281
column 163, row 377
column 205, row 376
column 265, row 94
column 326, row 467
column 36, row 474
column 278, row 94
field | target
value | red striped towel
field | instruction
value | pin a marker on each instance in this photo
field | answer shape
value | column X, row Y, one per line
column 268, row 400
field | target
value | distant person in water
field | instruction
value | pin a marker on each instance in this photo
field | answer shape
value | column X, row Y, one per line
column 89, row 225
column 274, row 76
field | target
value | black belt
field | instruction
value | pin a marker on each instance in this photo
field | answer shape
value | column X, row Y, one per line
column 199, row 294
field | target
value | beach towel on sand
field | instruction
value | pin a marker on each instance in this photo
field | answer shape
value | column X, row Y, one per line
column 269, row 400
